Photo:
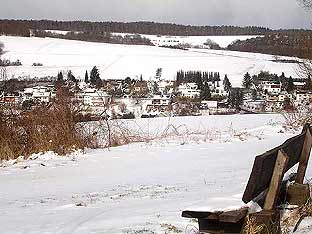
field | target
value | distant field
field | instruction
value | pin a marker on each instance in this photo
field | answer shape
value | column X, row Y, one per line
column 120, row 61
column 222, row 41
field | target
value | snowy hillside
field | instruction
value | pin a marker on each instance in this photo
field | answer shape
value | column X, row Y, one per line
column 138, row 188
column 121, row 61
column 161, row 40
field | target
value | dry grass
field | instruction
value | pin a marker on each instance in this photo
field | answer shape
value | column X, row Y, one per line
column 251, row 226
column 293, row 218
column 45, row 128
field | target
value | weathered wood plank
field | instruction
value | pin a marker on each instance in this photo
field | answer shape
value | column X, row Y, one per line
column 277, row 177
column 233, row 216
column 304, row 157
column 263, row 166
column 198, row 214
column 282, row 195
column 298, row 194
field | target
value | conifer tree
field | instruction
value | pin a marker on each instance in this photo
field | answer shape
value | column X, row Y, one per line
column 247, row 81
column 95, row 77
column 227, row 84
column 60, row 76
column 308, row 84
column 71, row 77
column 236, row 98
column 86, row 80
column 155, row 88
column 290, row 85
column 205, row 93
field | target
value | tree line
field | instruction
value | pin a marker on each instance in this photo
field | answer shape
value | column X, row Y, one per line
column 103, row 37
column 285, row 43
column 21, row 28
column 197, row 77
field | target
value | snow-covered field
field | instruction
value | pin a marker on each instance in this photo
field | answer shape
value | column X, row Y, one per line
column 161, row 40
column 121, row 61
column 138, row 188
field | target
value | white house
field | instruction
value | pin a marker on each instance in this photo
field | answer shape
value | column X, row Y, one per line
column 209, row 105
column 189, row 90
column 158, row 103
column 166, row 86
column 303, row 97
column 38, row 94
column 92, row 97
column 219, row 91
column 299, row 85
column 271, row 87
column 254, row 105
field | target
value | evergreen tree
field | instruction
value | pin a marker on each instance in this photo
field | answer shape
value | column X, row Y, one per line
column 86, row 80
column 254, row 94
column 71, row 77
column 227, row 84
column 247, row 81
column 59, row 80
column 128, row 81
column 283, row 80
column 158, row 73
column 290, row 85
column 205, row 93
column 60, row 77
column 155, row 88
column 95, row 77
column 199, row 80
column 308, row 83
column 236, row 98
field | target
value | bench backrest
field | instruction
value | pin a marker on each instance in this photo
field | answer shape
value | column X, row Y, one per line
column 263, row 167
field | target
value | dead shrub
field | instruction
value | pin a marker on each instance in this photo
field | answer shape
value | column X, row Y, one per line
column 9, row 137
column 116, row 132
column 298, row 117
column 293, row 218
column 50, row 127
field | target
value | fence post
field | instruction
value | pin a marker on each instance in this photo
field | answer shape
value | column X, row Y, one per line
column 304, row 157
column 277, row 177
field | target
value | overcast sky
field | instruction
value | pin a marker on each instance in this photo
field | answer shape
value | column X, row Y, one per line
column 271, row 13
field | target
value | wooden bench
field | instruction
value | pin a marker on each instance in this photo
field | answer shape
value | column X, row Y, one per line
column 264, row 187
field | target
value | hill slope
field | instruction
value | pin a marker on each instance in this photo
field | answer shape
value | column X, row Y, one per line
column 120, row 61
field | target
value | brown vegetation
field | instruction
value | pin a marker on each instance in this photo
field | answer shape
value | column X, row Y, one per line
column 45, row 128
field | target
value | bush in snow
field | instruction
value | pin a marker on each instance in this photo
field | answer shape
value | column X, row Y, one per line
column 45, row 128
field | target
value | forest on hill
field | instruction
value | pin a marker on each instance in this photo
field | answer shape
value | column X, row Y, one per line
column 21, row 27
column 286, row 42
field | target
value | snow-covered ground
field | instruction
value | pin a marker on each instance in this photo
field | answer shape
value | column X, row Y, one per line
column 161, row 40
column 142, row 187
column 121, row 61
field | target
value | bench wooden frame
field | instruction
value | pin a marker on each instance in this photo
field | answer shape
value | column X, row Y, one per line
column 265, row 181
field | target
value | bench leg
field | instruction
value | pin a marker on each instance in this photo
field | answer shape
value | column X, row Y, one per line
column 217, row 227
column 265, row 222
column 298, row 194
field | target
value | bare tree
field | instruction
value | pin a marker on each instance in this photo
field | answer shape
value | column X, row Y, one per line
column 305, row 64
column 1, row 48
column 306, row 3
column 3, row 71
column 305, row 68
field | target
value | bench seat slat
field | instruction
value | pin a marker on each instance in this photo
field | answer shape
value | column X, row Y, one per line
column 233, row 216
column 199, row 214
